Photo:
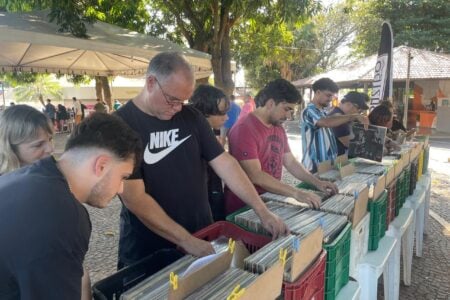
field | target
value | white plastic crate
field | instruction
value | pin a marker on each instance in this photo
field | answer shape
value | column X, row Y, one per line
column 359, row 243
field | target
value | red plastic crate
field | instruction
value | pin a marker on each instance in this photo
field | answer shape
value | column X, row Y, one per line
column 390, row 207
column 311, row 284
column 252, row 241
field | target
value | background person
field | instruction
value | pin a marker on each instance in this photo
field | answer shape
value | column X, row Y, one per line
column 318, row 141
column 259, row 143
column 233, row 115
column 166, row 199
column 214, row 105
column 26, row 135
column 352, row 103
column 50, row 111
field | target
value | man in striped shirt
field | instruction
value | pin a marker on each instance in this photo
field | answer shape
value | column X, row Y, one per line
column 318, row 141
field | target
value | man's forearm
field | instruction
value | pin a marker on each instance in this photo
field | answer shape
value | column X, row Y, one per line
column 335, row 121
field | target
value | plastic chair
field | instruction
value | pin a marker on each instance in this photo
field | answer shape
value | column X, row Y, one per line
column 351, row 291
column 425, row 182
column 383, row 261
column 417, row 202
column 402, row 228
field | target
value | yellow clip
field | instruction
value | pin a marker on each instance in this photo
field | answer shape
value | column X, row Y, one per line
column 283, row 254
column 236, row 293
column 174, row 281
column 231, row 245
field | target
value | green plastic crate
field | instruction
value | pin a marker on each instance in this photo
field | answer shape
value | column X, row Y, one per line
column 426, row 159
column 338, row 263
column 306, row 186
column 377, row 228
column 231, row 218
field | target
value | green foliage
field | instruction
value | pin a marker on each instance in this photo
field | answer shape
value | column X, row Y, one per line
column 420, row 24
column 14, row 79
column 43, row 87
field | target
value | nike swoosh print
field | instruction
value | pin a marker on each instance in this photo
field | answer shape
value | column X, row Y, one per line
column 153, row 158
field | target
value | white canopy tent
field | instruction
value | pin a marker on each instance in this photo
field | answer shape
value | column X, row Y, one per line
column 29, row 42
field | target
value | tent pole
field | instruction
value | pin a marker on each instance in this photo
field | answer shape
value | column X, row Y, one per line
column 406, row 95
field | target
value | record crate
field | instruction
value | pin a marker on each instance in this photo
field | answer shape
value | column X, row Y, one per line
column 426, row 159
column 391, row 202
column 252, row 241
column 420, row 165
column 413, row 177
column 338, row 263
column 115, row 285
column 399, row 195
column 377, row 228
column 310, row 285
column 407, row 182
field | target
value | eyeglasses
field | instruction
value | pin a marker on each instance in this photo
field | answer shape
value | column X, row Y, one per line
column 170, row 100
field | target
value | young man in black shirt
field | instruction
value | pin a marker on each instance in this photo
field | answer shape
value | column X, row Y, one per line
column 44, row 227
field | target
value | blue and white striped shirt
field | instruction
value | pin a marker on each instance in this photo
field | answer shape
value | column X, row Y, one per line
column 318, row 143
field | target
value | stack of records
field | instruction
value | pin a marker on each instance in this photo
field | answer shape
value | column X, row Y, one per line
column 157, row 285
column 347, row 187
column 250, row 219
column 300, row 221
column 265, row 257
column 369, row 168
column 330, row 175
column 307, row 221
column 367, row 179
column 339, row 204
column 223, row 285
column 266, row 197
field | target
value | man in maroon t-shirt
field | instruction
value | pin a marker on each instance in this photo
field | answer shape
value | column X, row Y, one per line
column 259, row 143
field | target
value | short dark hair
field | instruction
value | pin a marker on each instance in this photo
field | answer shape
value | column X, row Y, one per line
column 107, row 132
column 380, row 115
column 325, row 84
column 280, row 90
column 206, row 99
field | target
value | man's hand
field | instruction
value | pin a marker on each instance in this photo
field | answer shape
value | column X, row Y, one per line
column 308, row 197
column 327, row 187
column 197, row 247
column 363, row 120
column 273, row 224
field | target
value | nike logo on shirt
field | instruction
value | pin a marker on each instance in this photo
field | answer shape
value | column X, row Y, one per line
column 162, row 139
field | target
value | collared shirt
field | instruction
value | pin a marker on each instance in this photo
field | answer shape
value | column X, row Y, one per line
column 318, row 143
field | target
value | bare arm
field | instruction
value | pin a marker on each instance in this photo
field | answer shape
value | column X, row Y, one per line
column 299, row 172
column 155, row 218
column 258, row 177
column 86, row 293
column 229, row 170
column 336, row 120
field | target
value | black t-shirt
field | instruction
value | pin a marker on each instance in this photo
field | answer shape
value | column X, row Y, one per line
column 340, row 131
column 44, row 235
column 174, row 173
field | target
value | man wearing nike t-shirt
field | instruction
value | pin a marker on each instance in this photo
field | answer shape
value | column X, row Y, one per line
column 166, row 199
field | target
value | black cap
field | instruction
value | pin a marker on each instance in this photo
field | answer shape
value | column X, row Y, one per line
column 359, row 99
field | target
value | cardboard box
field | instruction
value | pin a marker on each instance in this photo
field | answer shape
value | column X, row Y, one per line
column 390, row 174
column 266, row 286
column 360, row 209
column 309, row 249
column 376, row 190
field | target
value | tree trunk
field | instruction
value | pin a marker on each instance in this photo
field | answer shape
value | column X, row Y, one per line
column 227, row 79
column 106, row 91
column 98, row 87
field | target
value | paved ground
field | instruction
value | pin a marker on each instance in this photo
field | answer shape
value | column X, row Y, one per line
column 430, row 274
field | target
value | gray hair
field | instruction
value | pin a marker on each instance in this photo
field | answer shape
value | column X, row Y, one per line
column 166, row 64
column 19, row 124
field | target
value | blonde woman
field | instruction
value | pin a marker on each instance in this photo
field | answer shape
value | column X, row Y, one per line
column 25, row 136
